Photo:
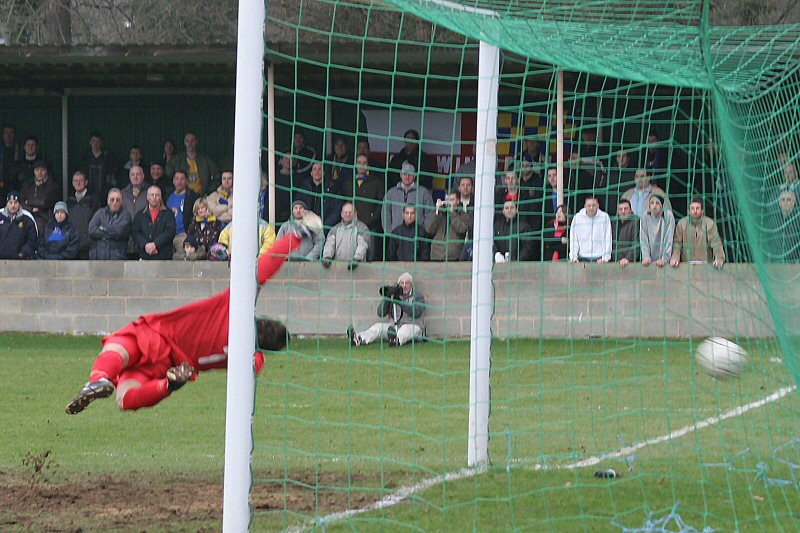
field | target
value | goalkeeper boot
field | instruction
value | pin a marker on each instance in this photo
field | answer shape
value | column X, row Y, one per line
column 94, row 390
column 178, row 376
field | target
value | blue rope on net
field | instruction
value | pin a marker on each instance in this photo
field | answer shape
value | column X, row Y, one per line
column 672, row 522
column 761, row 471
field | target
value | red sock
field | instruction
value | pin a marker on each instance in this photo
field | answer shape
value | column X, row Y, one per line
column 149, row 394
column 107, row 365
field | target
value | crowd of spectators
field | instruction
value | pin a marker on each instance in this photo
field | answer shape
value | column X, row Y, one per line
column 181, row 207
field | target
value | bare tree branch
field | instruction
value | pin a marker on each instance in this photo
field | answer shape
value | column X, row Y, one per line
column 188, row 22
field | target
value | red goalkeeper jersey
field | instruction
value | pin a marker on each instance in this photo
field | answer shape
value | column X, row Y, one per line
column 197, row 333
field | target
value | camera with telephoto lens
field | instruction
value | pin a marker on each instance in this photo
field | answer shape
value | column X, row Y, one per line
column 395, row 292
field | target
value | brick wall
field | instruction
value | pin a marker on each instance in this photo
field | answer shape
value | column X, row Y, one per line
column 533, row 299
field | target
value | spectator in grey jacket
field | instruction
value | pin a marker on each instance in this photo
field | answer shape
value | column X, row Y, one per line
column 311, row 242
column 109, row 229
column 656, row 231
column 347, row 241
column 407, row 192
column 401, row 309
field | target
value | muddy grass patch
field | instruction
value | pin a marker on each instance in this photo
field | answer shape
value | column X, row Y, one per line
column 149, row 502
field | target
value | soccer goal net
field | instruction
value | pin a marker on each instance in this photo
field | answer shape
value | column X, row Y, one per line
column 625, row 132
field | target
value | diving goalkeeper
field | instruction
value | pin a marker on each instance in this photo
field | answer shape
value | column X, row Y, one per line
column 157, row 354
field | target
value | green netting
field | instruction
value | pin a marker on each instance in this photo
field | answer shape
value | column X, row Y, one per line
column 592, row 365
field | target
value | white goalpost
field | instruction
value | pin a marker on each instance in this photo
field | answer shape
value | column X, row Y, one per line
column 483, row 237
column 242, row 334
column 247, row 150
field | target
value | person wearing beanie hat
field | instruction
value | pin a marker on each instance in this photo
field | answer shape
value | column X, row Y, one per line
column 401, row 309
column 656, row 232
column 192, row 250
column 60, row 239
column 18, row 234
column 60, row 206
column 406, row 192
column 309, row 226
column 658, row 196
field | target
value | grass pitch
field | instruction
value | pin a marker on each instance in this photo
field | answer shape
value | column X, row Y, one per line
column 341, row 429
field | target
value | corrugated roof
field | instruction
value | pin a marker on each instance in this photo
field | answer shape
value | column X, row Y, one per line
column 156, row 66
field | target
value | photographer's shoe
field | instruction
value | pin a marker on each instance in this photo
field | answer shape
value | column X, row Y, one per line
column 355, row 340
column 94, row 390
column 392, row 334
column 178, row 376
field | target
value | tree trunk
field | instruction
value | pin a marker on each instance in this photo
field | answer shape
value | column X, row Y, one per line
column 56, row 23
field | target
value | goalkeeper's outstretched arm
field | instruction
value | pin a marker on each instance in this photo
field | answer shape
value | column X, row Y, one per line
column 271, row 262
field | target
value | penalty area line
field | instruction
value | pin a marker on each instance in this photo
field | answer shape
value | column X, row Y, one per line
column 678, row 433
column 404, row 493
column 394, row 498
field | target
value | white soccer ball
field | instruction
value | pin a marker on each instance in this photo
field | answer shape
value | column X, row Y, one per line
column 312, row 221
column 721, row 358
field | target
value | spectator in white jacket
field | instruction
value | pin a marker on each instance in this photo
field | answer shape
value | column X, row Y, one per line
column 590, row 234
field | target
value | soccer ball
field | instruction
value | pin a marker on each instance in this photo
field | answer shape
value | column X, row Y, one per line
column 721, row 358
column 312, row 221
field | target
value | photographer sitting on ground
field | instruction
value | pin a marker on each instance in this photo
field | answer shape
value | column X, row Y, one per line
column 403, row 307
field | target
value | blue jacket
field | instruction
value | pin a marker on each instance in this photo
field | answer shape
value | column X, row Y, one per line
column 59, row 241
